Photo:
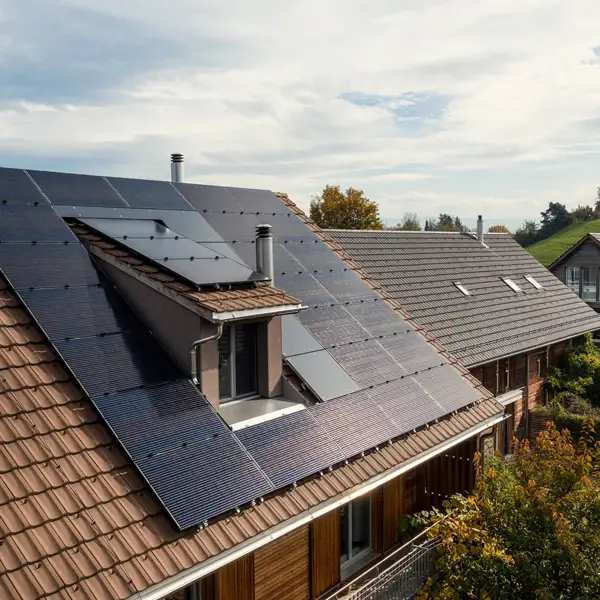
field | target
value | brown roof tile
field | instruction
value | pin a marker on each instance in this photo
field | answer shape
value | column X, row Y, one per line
column 77, row 521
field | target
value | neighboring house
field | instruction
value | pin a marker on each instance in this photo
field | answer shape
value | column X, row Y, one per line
column 183, row 417
column 578, row 268
column 487, row 301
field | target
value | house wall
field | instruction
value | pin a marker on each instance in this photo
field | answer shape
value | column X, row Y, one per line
column 305, row 564
column 587, row 255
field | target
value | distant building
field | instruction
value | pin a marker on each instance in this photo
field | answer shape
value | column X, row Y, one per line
column 578, row 269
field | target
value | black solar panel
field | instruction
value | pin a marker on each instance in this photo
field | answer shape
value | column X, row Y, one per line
column 290, row 448
column 47, row 265
column 92, row 310
column 32, row 223
column 161, row 418
column 128, row 360
column 16, row 187
column 77, row 190
column 141, row 193
column 205, row 479
column 194, row 262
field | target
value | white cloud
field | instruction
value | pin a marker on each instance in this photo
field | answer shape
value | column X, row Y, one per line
column 264, row 106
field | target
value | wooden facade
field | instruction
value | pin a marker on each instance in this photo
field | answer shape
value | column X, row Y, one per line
column 282, row 569
column 325, row 552
column 306, row 563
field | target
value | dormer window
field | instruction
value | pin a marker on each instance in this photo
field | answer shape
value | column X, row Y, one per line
column 237, row 362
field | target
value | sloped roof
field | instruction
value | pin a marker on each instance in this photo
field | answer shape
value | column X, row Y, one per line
column 588, row 237
column 77, row 520
column 419, row 270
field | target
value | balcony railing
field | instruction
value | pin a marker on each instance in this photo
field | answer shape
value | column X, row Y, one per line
column 398, row 576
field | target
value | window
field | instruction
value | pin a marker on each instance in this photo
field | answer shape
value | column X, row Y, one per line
column 511, row 284
column 590, row 277
column 237, row 362
column 574, row 279
column 536, row 284
column 355, row 531
column 462, row 288
column 192, row 592
column 507, row 374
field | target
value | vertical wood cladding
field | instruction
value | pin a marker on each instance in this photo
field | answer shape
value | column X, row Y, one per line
column 377, row 520
column 281, row 568
column 450, row 473
column 393, row 509
column 325, row 551
column 235, row 581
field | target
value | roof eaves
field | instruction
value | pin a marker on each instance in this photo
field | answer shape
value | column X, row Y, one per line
column 587, row 237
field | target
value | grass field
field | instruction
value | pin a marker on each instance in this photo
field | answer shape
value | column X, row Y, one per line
column 547, row 251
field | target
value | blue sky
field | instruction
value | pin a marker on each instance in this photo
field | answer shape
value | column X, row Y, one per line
column 428, row 106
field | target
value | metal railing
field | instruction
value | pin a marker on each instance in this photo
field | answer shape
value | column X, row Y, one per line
column 398, row 576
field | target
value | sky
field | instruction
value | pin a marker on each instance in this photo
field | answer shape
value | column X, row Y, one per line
column 428, row 106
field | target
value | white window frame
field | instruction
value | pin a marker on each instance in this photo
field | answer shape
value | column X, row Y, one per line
column 462, row 288
column 568, row 279
column 593, row 272
column 354, row 560
column 511, row 284
column 233, row 370
column 534, row 282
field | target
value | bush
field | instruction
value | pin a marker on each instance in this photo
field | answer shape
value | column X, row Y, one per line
column 580, row 376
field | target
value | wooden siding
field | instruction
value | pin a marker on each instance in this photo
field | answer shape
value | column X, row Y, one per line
column 325, row 552
column 235, row 581
column 450, row 473
column 393, row 509
column 413, row 497
column 281, row 569
column 377, row 520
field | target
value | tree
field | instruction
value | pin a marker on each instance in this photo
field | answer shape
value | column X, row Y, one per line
column 499, row 229
column 554, row 218
column 446, row 222
column 334, row 209
column 583, row 213
column 531, row 529
column 410, row 222
column 527, row 234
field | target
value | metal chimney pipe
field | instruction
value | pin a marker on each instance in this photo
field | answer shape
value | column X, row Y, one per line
column 480, row 229
column 177, row 168
column 264, row 252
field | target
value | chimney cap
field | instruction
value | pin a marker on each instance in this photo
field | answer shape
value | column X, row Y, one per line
column 263, row 230
column 176, row 157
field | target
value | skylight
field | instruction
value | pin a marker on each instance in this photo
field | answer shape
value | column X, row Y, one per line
column 536, row 284
column 462, row 288
column 511, row 284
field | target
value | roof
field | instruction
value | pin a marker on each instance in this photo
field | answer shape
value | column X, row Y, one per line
column 589, row 237
column 239, row 298
column 79, row 522
column 419, row 270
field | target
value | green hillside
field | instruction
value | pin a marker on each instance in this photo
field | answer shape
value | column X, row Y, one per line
column 547, row 251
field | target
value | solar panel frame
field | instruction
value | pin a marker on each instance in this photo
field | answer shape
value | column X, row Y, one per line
column 76, row 189
column 145, row 193
column 17, row 188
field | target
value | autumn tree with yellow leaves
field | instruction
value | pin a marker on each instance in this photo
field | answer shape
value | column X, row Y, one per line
column 334, row 209
column 530, row 530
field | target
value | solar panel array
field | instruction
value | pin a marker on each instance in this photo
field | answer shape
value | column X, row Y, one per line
column 377, row 376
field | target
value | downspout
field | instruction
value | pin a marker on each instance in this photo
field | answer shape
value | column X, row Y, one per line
column 194, row 351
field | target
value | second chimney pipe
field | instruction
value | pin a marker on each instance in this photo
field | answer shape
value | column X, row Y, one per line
column 177, row 168
column 480, row 229
column 264, row 252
